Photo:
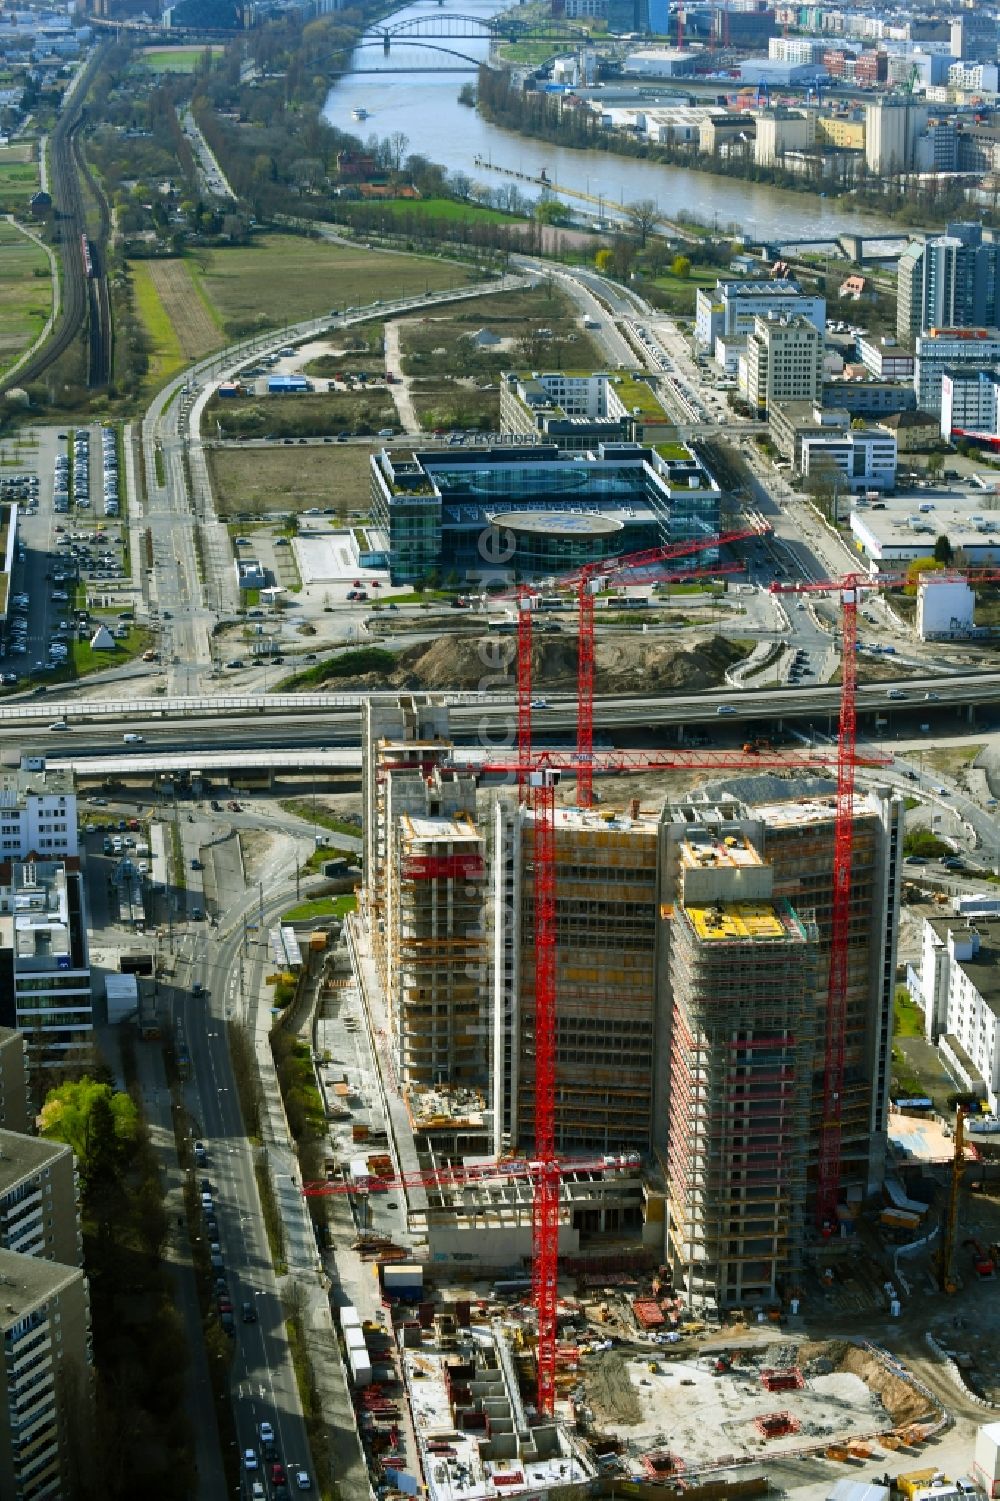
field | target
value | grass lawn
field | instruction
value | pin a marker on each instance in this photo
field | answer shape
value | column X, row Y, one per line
column 285, row 278
column 306, row 416
column 25, row 292
column 433, row 208
column 301, row 807
column 173, row 59
column 265, row 480
column 907, row 1017
column 86, row 660
column 166, row 357
column 677, row 293
column 323, row 906
column 949, row 760
column 18, row 178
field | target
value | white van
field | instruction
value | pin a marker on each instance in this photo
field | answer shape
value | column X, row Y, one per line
column 132, row 739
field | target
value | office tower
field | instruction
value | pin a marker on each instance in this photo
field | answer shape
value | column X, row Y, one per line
column 425, row 872
column 742, row 979
column 44, row 964
column 974, row 36
column 784, row 362
column 952, row 281
column 606, row 895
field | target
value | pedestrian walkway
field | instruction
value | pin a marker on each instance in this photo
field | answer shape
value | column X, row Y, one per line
column 305, row 1269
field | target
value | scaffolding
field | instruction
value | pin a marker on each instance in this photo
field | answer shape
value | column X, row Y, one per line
column 742, row 975
column 606, row 958
column 437, row 953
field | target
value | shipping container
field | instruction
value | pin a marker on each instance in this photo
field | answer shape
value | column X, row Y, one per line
column 360, row 1367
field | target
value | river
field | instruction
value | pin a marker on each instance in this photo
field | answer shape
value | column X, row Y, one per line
column 424, row 106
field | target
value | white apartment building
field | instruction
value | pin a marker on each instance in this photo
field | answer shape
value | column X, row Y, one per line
column 969, row 401
column 795, row 49
column 784, row 362
column 45, row 989
column 950, row 349
column 46, row 1388
column 37, row 812
column 981, row 78
column 960, row 997
column 866, row 458
column 728, row 311
column 39, row 1210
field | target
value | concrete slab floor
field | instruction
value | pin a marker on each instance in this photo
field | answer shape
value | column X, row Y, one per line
column 701, row 1417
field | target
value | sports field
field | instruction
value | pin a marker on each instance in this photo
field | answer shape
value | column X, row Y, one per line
column 174, row 59
column 283, row 279
column 25, row 292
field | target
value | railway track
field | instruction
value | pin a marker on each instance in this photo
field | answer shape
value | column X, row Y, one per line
column 80, row 292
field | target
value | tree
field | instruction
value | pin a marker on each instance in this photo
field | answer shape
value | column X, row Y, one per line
column 943, row 551
column 916, row 569
column 603, row 260
column 935, row 463
column 548, row 211
column 681, row 266
column 643, row 216
column 98, row 1122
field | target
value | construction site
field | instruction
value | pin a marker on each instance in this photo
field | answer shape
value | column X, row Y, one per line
column 632, row 1065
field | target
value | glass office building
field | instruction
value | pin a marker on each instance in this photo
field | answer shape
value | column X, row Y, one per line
column 533, row 509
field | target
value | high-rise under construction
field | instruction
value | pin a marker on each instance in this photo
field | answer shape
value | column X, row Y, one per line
column 692, row 963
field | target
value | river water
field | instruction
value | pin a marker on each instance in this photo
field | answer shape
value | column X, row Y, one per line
column 424, row 106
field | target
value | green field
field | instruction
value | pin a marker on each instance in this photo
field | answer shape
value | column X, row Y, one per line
column 165, row 354
column 430, row 208
column 18, row 177
column 282, row 279
column 25, row 292
column 174, row 59
column 677, row 293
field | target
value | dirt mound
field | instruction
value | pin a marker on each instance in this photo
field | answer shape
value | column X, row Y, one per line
column 624, row 664
column 610, row 1392
column 903, row 1402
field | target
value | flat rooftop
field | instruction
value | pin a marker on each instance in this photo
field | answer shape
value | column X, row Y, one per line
column 22, row 1157
column 707, row 852
column 27, row 1281
column 739, row 922
column 49, row 781
column 608, row 821
column 984, row 969
column 418, row 829
column 967, row 520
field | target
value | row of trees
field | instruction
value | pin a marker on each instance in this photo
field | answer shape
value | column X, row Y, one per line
column 139, row 1443
column 552, row 118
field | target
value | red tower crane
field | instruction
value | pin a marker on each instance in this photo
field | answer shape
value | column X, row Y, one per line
column 637, row 565
column 848, row 588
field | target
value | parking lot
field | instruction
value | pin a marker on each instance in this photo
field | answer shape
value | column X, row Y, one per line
column 61, row 544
